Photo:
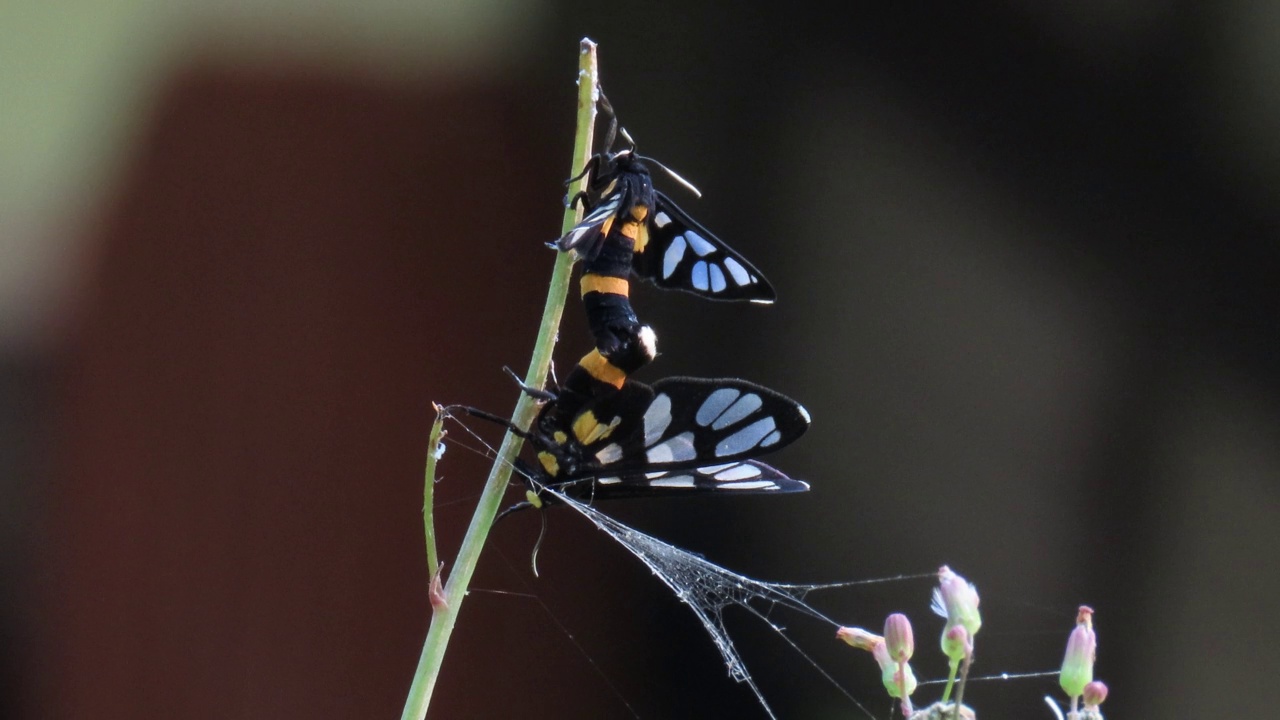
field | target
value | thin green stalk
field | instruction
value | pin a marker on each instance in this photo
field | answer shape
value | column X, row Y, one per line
column 444, row 617
column 428, row 490
column 954, row 666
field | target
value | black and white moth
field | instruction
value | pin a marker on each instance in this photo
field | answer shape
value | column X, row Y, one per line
column 681, row 436
column 668, row 248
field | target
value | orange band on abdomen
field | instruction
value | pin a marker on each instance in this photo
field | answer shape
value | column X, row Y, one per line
column 605, row 284
column 601, row 369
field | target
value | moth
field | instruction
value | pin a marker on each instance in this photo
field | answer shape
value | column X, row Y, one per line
column 680, row 436
column 631, row 228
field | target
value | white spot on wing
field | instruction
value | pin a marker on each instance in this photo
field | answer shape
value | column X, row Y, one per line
column 609, row 454
column 671, row 259
column 676, row 481
column 700, row 275
column 713, row 469
column 605, row 210
column 699, row 244
column 739, row 273
column 746, row 438
column 752, row 485
column 715, row 404
column 677, row 449
column 804, row 414
column 661, row 219
column 738, row 472
column 657, row 418
column 745, row 405
column 609, row 480
column 717, row 279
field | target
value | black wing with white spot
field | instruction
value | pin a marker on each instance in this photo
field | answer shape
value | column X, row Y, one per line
column 701, row 425
column 683, row 255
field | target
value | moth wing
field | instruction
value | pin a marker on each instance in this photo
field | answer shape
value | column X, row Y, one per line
column 681, row 423
column 585, row 237
column 683, row 255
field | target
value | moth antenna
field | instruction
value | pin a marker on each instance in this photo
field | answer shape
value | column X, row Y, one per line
column 533, row 558
column 627, row 136
column 674, row 176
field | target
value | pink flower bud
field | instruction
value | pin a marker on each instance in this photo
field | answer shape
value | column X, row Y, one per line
column 896, row 680
column 1082, row 647
column 956, row 599
column 898, row 637
column 955, row 642
column 1094, row 693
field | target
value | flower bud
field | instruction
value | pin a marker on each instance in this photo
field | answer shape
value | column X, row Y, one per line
column 1094, row 693
column 955, row 642
column 898, row 637
column 1082, row 646
column 956, row 599
column 890, row 674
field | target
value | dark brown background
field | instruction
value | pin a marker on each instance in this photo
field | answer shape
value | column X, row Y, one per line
column 1026, row 264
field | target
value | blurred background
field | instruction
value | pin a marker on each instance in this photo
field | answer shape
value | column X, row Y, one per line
column 1026, row 258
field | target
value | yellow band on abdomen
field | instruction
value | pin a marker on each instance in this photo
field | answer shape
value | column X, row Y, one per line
column 605, row 284
column 599, row 367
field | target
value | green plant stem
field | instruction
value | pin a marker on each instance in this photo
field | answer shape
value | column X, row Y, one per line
column 428, row 490
column 444, row 618
column 954, row 666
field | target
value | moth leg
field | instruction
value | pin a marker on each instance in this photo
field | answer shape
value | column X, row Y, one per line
column 510, row 426
column 607, row 108
column 533, row 392
column 522, row 505
column 591, row 166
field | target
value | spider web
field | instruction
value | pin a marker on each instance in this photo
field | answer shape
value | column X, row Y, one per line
column 709, row 589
